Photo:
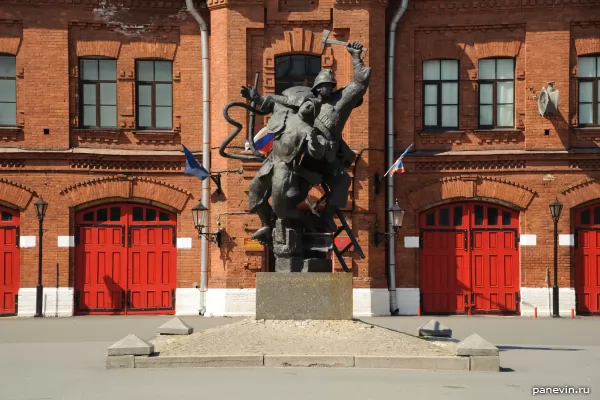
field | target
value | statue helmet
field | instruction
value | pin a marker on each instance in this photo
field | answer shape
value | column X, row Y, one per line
column 325, row 76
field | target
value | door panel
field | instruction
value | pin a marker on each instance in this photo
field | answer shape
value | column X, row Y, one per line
column 587, row 271
column 101, row 281
column 152, row 260
column 9, row 269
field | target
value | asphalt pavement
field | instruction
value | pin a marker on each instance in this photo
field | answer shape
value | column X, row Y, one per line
column 63, row 359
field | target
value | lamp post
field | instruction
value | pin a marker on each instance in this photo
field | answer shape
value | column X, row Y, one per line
column 40, row 210
column 555, row 210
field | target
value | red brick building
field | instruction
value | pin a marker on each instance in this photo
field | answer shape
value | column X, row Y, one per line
column 96, row 100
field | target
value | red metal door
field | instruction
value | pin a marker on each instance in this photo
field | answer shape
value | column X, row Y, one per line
column 125, row 260
column 444, row 272
column 152, row 258
column 9, row 261
column 469, row 259
column 100, row 261
column 495, row 259
column 587, row 269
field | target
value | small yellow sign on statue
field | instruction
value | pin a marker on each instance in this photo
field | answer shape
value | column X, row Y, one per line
column 253, row 245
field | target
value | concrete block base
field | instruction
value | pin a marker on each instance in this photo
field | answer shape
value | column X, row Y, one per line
column 302, row 296
column 431, row 363
column 485, row 363
column 308, row 361
column 227, row 361
column 113, row 362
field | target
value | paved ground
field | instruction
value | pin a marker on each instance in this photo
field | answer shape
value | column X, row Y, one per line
column 63, row 359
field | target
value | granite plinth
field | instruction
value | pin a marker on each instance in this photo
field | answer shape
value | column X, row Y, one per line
column 302, row 296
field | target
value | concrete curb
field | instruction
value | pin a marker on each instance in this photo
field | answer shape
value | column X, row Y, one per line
column 434, row 363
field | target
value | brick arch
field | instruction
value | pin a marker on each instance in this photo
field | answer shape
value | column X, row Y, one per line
column 14, row 194
column 162, row 50
column 471, row 188
column 580, row 193
column 440, row 49
column 295, row 41
column 588, row 45
column 510, row 48
column 10, row 45
column 99, row 48
column 122, row 187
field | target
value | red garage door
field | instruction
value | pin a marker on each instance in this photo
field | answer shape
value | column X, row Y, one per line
column 469, row 259
column 125, row 260
column 9, row 261
column 587, row 269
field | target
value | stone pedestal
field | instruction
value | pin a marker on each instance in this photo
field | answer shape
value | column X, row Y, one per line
column 301, row 296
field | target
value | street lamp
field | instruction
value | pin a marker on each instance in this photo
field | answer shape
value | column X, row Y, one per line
column 200, row 216
column 396, row 216
column 40, row 210
column 555, row 210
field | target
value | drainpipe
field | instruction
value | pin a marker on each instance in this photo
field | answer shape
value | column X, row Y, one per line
column 390, row 154
column 205, row 146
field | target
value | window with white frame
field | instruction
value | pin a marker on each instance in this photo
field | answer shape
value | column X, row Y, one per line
column 440, row 95
column 8, row 90
column 589, row 90
column 497, row 93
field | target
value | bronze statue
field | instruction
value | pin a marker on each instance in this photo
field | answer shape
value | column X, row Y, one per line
column 308, row 150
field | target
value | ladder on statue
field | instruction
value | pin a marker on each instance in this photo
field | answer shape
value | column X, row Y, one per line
column 344, row 228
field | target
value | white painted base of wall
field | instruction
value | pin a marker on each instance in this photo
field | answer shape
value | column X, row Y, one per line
column 187, row 301
column 242, row 302
column 370, row 302
column 408, row 300
column 230, row 303
column 56, row 302
column 542, row 299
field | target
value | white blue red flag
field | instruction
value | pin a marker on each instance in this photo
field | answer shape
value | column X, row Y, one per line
column 263, row 141
column 193, row 167
column 398, row 167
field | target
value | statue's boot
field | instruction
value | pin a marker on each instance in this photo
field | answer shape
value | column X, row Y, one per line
column 327, row 217
column 264, row 234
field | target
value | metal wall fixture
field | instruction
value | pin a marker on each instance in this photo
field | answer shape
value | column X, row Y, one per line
column 396, row 216
column 200, row 215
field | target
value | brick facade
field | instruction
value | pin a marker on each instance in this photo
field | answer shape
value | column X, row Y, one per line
column 525, row 167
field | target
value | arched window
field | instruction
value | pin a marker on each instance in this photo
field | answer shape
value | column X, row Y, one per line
column 295, row 70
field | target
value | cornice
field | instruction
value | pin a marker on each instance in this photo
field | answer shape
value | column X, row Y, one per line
column 145, row 4
column 469, row 28
column 360, row 3
column 216, row 4
column 494, row 5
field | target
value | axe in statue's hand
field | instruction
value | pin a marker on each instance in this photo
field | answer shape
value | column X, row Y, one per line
column 326, row 40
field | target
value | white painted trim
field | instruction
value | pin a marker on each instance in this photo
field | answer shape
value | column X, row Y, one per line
column 528, row 240
column 66, row 241
column 566, row 240
column 187, row 301
column 408, row 300
column 542, row 299
column 411, row 242
column 184, row 242
column 57, row 302
column 27, row 241
column 370, row 302
column 222, row 302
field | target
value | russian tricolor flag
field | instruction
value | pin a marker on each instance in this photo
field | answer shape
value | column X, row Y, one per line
column 193, row 167
column 263, row 141
column 398, row 167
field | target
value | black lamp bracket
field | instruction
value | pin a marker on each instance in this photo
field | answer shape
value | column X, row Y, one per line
column 379, row 237
column 216, row 177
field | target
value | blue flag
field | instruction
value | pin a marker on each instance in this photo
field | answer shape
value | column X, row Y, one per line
column 193, row 167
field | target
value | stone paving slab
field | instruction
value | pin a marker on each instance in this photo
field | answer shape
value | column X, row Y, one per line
column 445, row 363
column 227, row 361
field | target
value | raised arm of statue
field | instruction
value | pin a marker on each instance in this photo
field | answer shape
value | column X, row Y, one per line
column 357, row 88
